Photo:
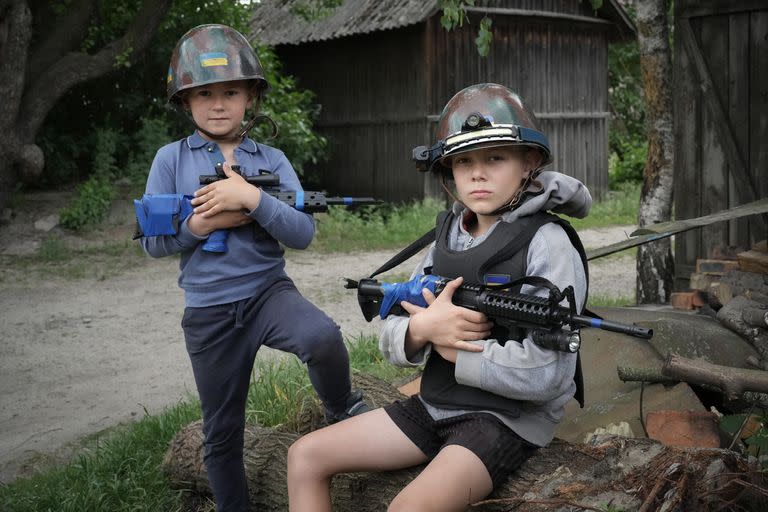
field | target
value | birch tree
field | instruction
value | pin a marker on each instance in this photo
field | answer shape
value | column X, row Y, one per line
column 654, row 261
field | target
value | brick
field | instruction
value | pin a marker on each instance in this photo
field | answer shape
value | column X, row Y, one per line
column 683, row 428
column 716, row 267
column 681, row 300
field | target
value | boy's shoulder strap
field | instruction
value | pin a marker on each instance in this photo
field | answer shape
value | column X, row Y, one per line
column 414, row 247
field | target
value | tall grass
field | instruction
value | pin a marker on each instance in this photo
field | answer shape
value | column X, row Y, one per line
column 389, row 227
column 385, row 227
column 117, row 472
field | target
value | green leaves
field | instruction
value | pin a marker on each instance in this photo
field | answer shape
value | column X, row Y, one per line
column 455, row 14
column 484, row 37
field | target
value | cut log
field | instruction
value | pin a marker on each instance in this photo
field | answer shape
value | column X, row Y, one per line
column 732, row 316
column 628, row 473
column 741, row 282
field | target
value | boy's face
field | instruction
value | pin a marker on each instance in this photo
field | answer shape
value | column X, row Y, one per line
column 219, row 108
column 487, row 178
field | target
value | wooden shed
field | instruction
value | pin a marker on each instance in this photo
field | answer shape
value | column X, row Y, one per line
column 721, row 123
column 383, row 69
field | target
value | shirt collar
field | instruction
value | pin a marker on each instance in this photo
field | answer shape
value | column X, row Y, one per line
column 196, row 141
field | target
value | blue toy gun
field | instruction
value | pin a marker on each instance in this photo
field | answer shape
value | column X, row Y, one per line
column 162, row 214
column 544, row 316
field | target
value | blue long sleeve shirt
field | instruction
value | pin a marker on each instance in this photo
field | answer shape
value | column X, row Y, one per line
column 254, row 258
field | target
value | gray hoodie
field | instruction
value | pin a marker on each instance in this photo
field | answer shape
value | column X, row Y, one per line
column 519, row 369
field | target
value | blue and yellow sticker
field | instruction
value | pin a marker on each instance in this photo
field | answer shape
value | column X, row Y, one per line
column 211, row 59
column 170, row 75
column 497, row 279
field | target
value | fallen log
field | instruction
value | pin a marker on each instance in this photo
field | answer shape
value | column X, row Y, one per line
column 628, row 473
column 733, row 382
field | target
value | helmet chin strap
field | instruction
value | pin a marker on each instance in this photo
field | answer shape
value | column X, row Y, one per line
column 238, row 136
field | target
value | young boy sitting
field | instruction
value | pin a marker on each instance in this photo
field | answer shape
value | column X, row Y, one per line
column 489, row 395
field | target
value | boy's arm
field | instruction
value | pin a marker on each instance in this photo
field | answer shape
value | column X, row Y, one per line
column 287, row 225
column 161, row 180
column 393, row 342
column 523, row 370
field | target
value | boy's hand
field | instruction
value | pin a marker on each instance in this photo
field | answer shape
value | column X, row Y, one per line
column 201, row 225
column 448, row 327
column 232, row 194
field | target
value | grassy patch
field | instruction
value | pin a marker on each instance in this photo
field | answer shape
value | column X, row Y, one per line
column 608, row 301
column 618, row 208
column 119, row 469
column 371, row 228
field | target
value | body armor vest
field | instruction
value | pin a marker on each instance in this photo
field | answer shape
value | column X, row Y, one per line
column 500, row 258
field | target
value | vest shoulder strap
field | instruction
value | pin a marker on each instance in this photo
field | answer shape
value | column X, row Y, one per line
column 414, row 247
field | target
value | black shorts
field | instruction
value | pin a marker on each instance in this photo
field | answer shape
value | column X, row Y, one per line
column 500, row 449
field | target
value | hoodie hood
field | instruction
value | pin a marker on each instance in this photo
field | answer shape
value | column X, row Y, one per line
column 558, row 193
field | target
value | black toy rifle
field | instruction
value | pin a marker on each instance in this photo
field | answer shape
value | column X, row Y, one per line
column 544, row 316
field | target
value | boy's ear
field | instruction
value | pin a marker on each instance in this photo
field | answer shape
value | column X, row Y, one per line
column 533, row 160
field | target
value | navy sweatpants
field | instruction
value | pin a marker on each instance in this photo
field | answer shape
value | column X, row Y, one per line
column 222, row 342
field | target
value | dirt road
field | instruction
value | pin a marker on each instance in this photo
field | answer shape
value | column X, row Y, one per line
column 80, row 355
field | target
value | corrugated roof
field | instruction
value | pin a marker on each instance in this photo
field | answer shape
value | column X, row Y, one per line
column 273, row 23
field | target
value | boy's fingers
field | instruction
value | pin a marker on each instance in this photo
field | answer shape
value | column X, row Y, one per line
column 412, row 309
column 428, row 296
column 469, row 347
column 447, row 293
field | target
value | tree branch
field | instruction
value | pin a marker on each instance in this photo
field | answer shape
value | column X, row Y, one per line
column 75, row 68
column 65, row 34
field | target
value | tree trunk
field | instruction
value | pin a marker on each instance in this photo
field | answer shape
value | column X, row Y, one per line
column 29, row 92
column 654, row 261
column 629, row 473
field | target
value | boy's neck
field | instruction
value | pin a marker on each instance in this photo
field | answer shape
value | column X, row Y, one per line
column 229, row 143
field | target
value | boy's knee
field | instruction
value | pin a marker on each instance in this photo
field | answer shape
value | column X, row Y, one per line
column 409, row 504
column 325, row 341
column 303, row 459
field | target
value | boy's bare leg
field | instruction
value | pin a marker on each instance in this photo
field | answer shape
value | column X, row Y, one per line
column 369, row 442
column 453, row 480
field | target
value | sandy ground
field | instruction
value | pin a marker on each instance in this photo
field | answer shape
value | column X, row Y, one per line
column 79, row 355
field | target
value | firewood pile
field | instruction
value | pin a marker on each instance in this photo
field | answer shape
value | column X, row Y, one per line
column 733, row 287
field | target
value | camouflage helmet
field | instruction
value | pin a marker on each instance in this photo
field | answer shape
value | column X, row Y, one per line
column 208, row 54
column 485, row 115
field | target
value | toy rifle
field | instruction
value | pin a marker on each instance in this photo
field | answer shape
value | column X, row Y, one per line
column 162, row 214
column 543, row 316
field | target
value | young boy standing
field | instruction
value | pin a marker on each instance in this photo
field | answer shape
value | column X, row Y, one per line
column 489, row 395
column 240, row 299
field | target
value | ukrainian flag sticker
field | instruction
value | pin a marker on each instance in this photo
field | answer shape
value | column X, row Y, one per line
column 210, row 59
column 170, row 75
column 497, row 279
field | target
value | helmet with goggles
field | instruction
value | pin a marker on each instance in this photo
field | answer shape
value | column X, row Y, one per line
column 209, row 54
column 482, row 115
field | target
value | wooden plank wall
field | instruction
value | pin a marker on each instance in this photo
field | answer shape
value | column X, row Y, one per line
column 371, row 88
column 733, row 40
column 379, row 99
column 559, row 68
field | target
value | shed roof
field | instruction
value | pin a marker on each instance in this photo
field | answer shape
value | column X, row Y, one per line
column 273, row 22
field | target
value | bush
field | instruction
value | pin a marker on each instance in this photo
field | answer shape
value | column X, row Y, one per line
column 90, row 206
